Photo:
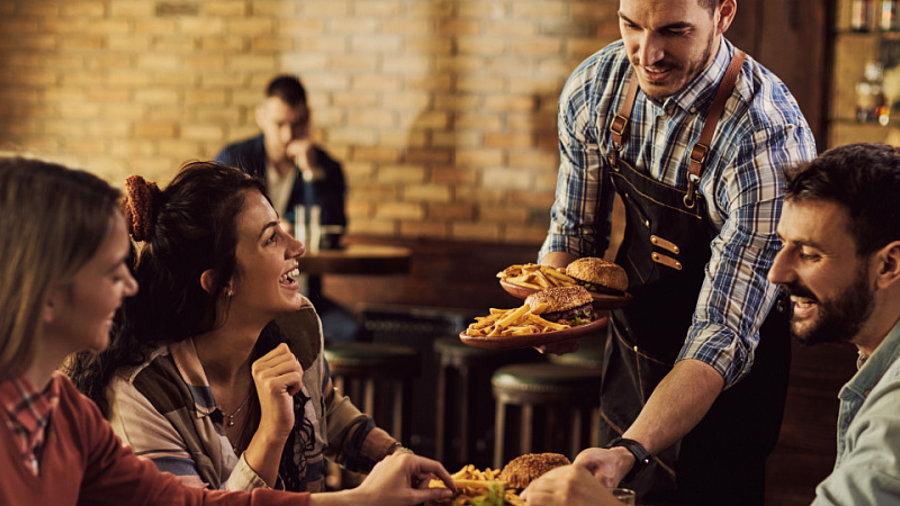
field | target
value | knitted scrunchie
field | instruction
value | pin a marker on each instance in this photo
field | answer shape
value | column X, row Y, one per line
column 140, row 212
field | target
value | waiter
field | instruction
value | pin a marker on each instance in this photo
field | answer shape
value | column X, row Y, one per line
column 692, row 135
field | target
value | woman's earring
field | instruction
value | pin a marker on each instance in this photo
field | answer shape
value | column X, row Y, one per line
column 229, row 293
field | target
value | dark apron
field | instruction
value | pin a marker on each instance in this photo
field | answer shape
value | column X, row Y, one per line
column 665, row 250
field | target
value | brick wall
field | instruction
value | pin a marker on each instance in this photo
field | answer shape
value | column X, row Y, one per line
column 443, row 111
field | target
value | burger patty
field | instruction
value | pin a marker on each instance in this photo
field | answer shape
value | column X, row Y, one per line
column 585, row 312
column 594, row 287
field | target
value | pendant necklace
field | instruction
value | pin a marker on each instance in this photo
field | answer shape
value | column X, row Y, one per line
column 229, row 418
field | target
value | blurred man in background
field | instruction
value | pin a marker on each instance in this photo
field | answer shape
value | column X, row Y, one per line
column 296, row 172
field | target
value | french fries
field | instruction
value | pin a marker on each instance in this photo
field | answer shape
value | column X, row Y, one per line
column 511, row 322
column 537, row 277
column 476, row 486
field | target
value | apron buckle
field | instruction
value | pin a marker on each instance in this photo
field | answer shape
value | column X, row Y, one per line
column 690, row 198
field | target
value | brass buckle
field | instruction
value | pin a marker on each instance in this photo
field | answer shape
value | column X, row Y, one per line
column 690, row 199
column 618, row 125
column 698, row 154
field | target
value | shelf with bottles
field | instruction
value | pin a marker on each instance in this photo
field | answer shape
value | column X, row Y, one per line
column 875, row 16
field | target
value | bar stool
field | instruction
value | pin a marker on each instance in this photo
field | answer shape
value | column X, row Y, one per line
column 357, row 367
column 563, row 391
column 590, row 354
column 464, row 399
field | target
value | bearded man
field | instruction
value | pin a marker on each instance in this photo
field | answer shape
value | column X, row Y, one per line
column 840, row 263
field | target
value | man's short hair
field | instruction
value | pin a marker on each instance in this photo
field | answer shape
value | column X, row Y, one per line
column 710, row 5
column 862, row 178
column 288, row 88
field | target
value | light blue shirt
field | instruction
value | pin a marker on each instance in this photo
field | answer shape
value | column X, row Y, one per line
column 867, row 469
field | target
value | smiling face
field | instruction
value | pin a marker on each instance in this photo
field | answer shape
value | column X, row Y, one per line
column 83, row 308
column 266, row 261
column 669, row 42
column 830, row 285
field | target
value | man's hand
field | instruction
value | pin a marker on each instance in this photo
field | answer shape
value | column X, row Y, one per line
column 570, row 485
column 559, row 348
column 303, row 154
column 402, row 478
column 608, row 466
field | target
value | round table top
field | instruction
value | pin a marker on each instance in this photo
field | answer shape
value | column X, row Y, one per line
column 357, row 259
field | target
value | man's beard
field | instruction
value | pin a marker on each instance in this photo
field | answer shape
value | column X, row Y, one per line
column 691, row 69
column 839, row 319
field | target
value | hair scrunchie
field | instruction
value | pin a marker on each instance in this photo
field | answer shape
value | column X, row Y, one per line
column 140, row 212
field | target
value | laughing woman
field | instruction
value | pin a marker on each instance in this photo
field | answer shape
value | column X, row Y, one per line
column 63, row 274
column 202, row 381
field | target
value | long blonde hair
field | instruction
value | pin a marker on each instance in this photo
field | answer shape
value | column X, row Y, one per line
column 52, row 221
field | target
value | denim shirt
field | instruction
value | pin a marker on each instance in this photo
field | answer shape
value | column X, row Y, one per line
column 867, row 468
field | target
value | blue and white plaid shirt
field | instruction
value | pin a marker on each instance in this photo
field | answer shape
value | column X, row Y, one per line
column 761, row 132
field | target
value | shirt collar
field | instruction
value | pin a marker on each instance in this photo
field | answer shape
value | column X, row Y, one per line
column 29, row 412
column 184, row 354
column 874, row 367
column 703, row 87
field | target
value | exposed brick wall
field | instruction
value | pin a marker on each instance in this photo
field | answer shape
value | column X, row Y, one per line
column 443, row 111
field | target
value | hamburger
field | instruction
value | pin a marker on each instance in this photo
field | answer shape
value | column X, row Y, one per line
column 598, row 276
column 566, row 305
column 520, row 471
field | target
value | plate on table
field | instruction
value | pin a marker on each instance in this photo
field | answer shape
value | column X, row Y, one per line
column 529, row 340
column 601, row 300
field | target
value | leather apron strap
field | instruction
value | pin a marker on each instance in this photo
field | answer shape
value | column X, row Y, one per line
column 619, row 125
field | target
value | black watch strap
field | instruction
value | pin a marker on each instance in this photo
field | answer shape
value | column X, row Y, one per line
column 641, row 455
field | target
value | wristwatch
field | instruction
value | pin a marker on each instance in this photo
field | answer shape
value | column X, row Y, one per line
column 641, row 455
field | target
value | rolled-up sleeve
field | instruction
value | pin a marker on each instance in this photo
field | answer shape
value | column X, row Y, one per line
column 736, row 297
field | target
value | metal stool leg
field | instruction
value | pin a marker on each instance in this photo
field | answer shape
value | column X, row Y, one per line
column 499, row 433
column 398, row 411
column 369, row 396
column 464, row 421
column 440, row 428
column 575, row 446
column 527, row 428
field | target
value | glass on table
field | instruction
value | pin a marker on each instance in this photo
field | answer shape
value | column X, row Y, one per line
column 624, row 495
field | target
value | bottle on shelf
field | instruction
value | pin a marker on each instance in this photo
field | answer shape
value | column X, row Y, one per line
column 888, row 19
column 861, row 15
column 871, row 105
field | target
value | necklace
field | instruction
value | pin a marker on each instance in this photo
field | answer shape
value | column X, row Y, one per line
column 229, row 418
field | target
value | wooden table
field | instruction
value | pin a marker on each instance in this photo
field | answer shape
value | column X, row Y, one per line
column 368, row 259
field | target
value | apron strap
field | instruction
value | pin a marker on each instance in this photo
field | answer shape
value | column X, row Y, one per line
column 619, row 125
column 701, row 149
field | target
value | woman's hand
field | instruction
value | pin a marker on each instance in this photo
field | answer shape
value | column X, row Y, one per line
column 402, row 478
column 278, row 376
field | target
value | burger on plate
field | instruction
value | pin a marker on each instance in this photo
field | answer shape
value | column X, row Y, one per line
column 567, row 305
column 598, row 276
column 524, row 469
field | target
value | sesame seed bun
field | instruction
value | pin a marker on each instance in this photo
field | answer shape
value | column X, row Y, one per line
column 522, row 470
column 606, row 277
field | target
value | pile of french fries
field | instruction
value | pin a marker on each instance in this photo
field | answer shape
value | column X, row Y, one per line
column 512, row 322
column 537, row 277
column 476, row 486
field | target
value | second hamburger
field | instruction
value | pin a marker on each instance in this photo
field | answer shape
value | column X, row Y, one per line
column 598, row 276
column 567, row 305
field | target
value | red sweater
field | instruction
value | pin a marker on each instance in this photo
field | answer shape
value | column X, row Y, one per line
column 84, row 463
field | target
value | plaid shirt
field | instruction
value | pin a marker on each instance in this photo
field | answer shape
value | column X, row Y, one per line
column 761, row 132
column 28, row 414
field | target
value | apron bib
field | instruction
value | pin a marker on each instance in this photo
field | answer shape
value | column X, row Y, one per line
column 665, row 251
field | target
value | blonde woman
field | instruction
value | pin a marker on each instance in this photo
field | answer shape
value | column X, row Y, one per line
column 64, row 275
